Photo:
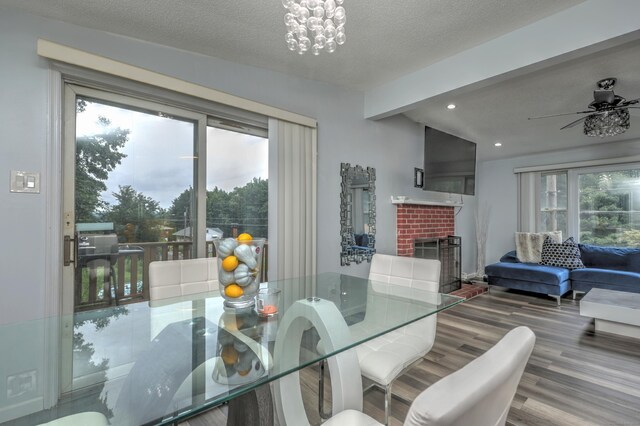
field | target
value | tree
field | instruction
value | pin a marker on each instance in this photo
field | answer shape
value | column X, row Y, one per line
column 607, row 215
column 247, row 207
column 96, row 156
column 181, row 205
column 253, row 206
column 135, row 216
column 221, row 210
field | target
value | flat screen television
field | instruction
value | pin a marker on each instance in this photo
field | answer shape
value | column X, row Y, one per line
column 449, row 163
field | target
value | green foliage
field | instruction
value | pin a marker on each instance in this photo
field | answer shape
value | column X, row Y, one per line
column 181, row 204
column 246, row 207
column 605, row 205
column 180, row 214
column 96, row 156
column 135, row 216
column 631, row 237
column 221, row 210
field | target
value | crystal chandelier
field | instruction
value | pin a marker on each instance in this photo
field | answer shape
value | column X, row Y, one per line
column 314, row 25
column 608, row 123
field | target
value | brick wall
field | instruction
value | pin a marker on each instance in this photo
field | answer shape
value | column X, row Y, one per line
column 420, row 221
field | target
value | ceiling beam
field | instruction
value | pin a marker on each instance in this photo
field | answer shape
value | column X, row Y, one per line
column 581, row 30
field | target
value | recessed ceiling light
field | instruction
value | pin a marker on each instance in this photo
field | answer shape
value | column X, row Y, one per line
column 497, row 144
column 451, row 106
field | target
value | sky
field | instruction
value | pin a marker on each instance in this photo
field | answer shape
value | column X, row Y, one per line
column 160, row 152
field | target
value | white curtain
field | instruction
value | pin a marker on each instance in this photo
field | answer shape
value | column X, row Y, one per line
column 528, row 201
column 293, row 216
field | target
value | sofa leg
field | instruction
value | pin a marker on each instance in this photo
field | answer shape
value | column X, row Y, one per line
column 574, row 294
column 555, row 297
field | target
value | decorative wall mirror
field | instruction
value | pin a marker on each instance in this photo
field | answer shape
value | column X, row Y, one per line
column 357, row 214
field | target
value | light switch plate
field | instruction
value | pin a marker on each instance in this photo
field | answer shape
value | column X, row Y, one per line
column 21, row 384
column 25, row 182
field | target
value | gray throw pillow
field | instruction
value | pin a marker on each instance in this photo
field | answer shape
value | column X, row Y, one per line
column 564, row 255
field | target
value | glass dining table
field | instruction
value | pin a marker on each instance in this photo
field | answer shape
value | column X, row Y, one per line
column 161, row 362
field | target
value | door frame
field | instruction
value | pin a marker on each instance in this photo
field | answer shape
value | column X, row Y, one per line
column 61, row 74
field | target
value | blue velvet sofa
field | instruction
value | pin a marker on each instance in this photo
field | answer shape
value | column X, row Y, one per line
column 614, row 268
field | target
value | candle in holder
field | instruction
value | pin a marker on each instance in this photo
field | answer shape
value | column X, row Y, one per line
column 267, row 302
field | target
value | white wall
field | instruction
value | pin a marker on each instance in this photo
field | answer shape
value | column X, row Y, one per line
column 466, row 228
column 498, row 187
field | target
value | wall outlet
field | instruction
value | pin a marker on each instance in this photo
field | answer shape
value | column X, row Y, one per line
column 21, row 384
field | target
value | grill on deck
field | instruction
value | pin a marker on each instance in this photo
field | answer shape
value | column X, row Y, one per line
column 105, row 261
column 97, row 246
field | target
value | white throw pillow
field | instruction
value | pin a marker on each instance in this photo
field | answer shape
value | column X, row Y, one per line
column 529, row 244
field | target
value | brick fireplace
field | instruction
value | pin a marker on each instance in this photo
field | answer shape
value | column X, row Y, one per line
column 427, row 221
column 421, row 221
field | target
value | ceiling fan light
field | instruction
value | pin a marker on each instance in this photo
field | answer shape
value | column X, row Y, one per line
column 610, row 123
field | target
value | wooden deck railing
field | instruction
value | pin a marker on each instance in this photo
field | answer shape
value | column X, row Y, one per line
column 123, row 277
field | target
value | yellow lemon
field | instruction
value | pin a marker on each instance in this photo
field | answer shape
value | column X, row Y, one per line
column 230, row 263
column 243, row 238
column 233, row 290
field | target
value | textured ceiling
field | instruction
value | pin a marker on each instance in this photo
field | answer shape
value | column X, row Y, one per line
column 385, row 39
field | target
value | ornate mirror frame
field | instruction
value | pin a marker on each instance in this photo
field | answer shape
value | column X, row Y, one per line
column 357, row 246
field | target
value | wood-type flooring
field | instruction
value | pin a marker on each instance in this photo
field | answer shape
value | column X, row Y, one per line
column 574, row 376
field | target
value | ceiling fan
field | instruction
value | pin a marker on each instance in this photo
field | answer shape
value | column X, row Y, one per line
column 608, row 114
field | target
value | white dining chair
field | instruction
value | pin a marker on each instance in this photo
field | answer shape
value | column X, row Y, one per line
column 387, row 357
column 172, row 278
column 480, row 393
column 168, row 279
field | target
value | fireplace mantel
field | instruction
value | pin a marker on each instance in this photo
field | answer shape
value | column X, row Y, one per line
column 399, row 200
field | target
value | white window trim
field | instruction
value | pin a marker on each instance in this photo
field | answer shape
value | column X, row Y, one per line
column 579, row 164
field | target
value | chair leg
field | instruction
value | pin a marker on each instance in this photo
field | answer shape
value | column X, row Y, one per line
column 323, row 415
column 387, row 403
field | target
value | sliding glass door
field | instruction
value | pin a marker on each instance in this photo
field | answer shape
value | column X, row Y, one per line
column 126, row 163
column 144, row 181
